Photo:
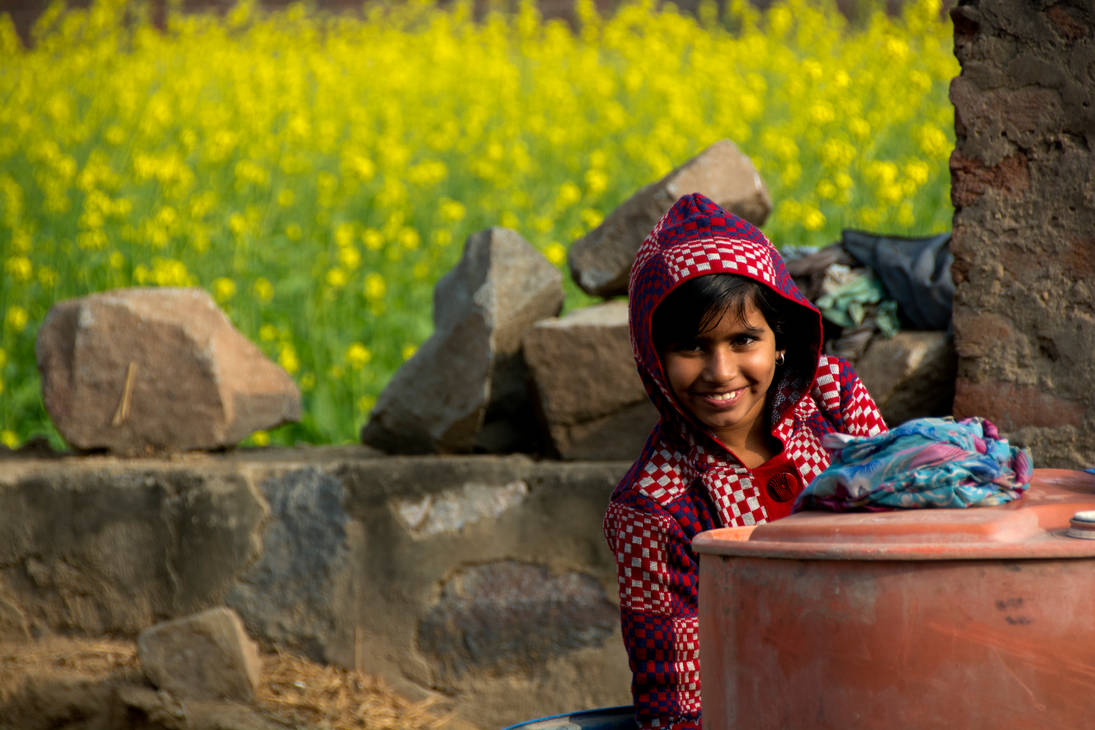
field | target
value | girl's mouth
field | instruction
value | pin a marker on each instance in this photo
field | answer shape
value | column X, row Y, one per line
column 721, row 400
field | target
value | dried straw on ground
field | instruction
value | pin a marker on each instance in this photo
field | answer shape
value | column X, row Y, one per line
column 294, row 691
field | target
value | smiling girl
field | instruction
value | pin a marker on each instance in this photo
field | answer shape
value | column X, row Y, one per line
column 730, row 353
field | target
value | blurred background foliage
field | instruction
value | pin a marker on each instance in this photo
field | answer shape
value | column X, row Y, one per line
column 318, row 172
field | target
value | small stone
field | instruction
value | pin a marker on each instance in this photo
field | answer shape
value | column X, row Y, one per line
column 470, row 368
column 135, row 371
column 588, row 392
column 206, row 656
column 910, row 375
column 600, row 261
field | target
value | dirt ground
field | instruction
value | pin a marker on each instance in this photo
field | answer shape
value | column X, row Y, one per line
column 88, row 684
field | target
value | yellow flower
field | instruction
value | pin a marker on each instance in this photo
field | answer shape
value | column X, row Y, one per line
column 349, row 257
column 451, row 210
column 287, row 358
column 408, row 351
column 821, row 113
column 293, row 231
column 268, row 333
column 344, row 234
column 813, row 219
column 374, row 286
column 263, row 289
column 286, row 197
column 556, row 253
column 9, row 439
column 16, row 318
column 591, row 218
column 260, row 438
column 366, row 402
column 20, row 241
column 918, row 171
column 308, row 382
column 19, row 267
column 336, row 278
column 409, row 239
column 237, row 224
column 933, row 141
column 373, row 239
column 596, row 181
column 859, row 128
column 569, row 194
column 223, row 289
column 358, row 356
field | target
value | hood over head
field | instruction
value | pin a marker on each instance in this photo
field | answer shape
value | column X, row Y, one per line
column 695, row 238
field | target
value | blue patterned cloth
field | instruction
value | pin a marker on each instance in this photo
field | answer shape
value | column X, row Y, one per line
column 925, row 462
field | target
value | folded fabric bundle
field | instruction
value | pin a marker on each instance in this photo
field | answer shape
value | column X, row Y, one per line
column 925, row 462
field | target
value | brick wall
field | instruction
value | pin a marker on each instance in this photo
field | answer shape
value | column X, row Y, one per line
column 1023, row 186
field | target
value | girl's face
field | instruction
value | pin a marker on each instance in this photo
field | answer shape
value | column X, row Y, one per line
column 722, row 376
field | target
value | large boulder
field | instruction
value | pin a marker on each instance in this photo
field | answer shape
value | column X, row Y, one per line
column 910, row 375
column 206, row 656
column 588, row 392
column 601, row 260
column 151, row 370
column 471, row 367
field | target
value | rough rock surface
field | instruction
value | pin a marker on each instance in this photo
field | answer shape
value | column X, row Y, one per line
column 204, row 656
column 601, row 260
column 285, row 595
column 588, row 393
column 148, row 370
column 481, row 619
column 470, row 370
column 105, row 547
column 354, row 555
column 1023, row 187
column 910, row 375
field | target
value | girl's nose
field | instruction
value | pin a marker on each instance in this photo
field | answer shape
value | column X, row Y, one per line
column 720, row 365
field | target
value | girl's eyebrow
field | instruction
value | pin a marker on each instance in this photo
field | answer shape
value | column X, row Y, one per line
column 745, row 329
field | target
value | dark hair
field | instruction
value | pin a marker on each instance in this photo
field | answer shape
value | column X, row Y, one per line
column 695, row 306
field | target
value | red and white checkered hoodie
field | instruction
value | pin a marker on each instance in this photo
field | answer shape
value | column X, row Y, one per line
column 685, row 480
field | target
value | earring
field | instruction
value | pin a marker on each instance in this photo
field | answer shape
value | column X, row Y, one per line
column 780, row 358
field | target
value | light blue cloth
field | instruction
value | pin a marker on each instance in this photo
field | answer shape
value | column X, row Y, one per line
column 925, row 462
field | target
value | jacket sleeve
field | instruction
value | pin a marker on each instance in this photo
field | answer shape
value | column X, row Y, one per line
column 658, row 576
column 845, row 400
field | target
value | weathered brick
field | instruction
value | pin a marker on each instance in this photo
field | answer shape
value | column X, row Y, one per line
column 977, row 333
column 1011, row 406
column 971, row 179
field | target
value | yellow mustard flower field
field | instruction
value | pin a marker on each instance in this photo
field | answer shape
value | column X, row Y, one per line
column 318, row 173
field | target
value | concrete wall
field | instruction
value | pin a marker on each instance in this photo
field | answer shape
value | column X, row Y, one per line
column 1023, row 186
column 482, row 581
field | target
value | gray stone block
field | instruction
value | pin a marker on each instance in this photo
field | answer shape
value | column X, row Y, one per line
column 136, row 371
column 204, row 656
column 600, row 261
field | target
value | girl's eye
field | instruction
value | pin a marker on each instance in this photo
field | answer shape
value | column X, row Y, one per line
column 744, row 340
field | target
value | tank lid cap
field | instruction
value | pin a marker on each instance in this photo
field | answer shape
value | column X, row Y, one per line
column 1082, row 525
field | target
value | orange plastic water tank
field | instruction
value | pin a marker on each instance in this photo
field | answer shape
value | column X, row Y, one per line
column 933, row 618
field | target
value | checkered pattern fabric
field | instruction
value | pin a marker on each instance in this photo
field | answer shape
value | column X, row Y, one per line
column 685, row 481
column 700, row 257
